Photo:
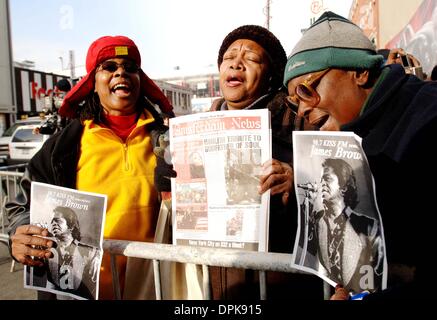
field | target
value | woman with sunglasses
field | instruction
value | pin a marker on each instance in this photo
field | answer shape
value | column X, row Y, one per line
column 251, row 63
column 106, row 148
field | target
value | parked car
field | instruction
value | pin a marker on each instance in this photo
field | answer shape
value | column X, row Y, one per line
column 7, row 136
column 25, row 143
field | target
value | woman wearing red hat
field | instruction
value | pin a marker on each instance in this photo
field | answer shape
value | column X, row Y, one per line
column 106, row 148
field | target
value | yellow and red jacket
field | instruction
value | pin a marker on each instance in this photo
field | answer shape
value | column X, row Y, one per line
column 124, row 171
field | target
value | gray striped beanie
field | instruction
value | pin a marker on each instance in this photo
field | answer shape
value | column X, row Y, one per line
column 331, row 42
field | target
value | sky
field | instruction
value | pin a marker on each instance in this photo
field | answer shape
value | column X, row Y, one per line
column 169, row 33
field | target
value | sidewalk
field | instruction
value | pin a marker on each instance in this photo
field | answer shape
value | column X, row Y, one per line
column 11, row 283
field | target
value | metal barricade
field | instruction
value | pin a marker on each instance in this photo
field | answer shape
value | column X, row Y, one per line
column 4, row 241
column 9, row 179
column 228, row 258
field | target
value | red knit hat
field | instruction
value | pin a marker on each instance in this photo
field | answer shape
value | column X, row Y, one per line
column 102, row 49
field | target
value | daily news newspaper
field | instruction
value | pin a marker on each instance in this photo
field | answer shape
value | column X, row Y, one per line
column 75, row 223
column 340, row 235
column 218, row 157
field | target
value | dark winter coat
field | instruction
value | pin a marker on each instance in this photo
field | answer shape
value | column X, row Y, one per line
column 243, row 284
column 399, row 130
column 56, row 163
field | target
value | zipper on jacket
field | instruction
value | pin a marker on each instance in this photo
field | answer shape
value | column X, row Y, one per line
column 124, row 144
column 126, row 157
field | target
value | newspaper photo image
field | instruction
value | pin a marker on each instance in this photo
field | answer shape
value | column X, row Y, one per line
column 218, row 158
column 75, row 222
column 340, row 234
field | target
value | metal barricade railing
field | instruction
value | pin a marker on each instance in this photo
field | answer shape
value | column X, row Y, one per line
column 9, row 179
column 4, row 238
column 228, row 258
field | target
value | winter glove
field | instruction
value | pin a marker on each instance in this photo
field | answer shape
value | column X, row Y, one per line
column 164, row 169
column 163, row 173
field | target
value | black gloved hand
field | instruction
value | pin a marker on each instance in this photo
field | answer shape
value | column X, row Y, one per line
column 163, row 173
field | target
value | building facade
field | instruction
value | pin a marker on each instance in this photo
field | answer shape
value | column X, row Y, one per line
column 179, row 96
column 31, row 89
column 202, row 85
column 407, row 24
column 7, row 101
column 381, row 20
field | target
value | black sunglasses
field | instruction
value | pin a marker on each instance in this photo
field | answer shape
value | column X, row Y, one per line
column 112, row 66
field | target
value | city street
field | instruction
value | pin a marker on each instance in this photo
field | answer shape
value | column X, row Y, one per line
column 11, row 283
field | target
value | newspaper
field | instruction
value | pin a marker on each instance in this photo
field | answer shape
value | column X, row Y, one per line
column 218, row 157
column 340, row 233
column 75, row 223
